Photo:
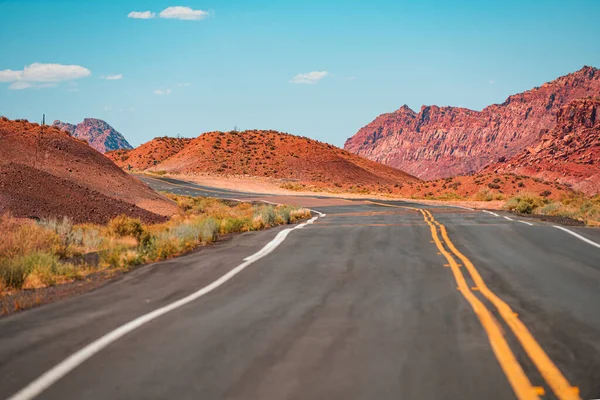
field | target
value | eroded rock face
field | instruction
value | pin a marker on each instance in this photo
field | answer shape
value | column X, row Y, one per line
column 99, row 135
column 440, row 142
column 569, row 153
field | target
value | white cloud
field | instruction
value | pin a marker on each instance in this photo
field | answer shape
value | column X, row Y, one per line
column 39, row 75
column 8, row 75
column 492, row 82
column 115, row 77
column 141, row 15
column 185, row 13
column 162, row 92
column 19, row 85
column 309, row 77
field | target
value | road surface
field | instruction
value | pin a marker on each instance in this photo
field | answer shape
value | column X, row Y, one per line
column 374, row 300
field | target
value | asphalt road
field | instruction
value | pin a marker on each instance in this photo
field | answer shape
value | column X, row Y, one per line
column 385, row 300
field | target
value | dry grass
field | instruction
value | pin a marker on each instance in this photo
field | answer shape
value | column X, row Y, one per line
column 576, row 206
column 41, row 254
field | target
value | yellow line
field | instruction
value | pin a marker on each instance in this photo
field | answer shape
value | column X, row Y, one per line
column 512, row 369
column 556, row 380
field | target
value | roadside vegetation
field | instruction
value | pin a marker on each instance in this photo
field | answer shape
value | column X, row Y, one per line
column 50, row 252
column 575, row 206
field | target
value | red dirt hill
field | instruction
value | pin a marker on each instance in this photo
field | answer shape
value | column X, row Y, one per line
column 27, row 192
column 279, row 155
column 569, row 153
column 56, row 153
column 148, row 154
column 440, row 142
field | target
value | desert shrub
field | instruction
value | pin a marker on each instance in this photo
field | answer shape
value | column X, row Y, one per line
column 545, row 193
column 449, row 196
column 293, row 186
column 520, row 184
column 525, row 203
column 267, row 214
column 91, row 237
column 235, row 225
column 123, row 226
column 67, row 236
column 298, row 214
column 284, row 214
column 20, row 238
column 550, row 209
column 209, row 230
column 496, row 180
column 47, row 267
column 493, row 186
column 484, row 195
column 13, row 273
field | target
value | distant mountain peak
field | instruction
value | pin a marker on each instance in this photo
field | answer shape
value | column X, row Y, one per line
column 98, row 133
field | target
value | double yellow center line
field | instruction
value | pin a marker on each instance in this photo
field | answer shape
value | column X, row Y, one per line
column 512, row 369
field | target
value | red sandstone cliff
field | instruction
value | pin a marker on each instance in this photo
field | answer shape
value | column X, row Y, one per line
column 569, row 153
column 440, row 142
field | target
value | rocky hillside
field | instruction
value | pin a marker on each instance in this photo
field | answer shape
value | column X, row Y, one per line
column 279, row 155
column 99, row 135
column 569, row 153
column 148, row 154
column 440, row 142
column 54, row 152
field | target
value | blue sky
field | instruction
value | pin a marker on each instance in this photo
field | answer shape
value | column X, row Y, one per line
column 238, row 63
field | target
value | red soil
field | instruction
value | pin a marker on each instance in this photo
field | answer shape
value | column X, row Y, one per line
column 26, row 192
column 55, row 152
column 282, row 156
column 478, row 186
column 148, row 154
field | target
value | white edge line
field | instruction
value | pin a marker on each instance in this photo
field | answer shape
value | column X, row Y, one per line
column 73, row 361
column 525, row 222
column 279, row 204
column 466, row 208
column 578, row 236
column 508, row 218
column 489, row 212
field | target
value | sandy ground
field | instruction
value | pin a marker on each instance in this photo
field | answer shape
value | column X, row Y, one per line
column 272, row 186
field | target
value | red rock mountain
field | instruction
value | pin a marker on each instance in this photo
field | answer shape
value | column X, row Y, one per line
column 569, row 153
column 99, row 135
column 277, row 155
column 440, row 142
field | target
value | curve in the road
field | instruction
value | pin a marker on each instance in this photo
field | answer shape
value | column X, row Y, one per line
column 56, row 373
